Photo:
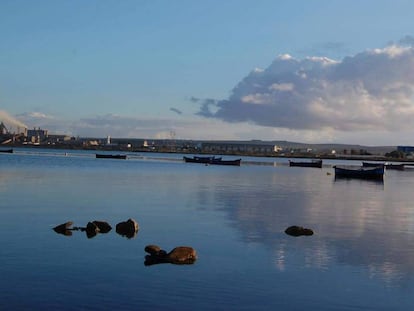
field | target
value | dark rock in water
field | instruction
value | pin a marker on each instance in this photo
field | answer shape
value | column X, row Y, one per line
column 91, row 230
column 127, row 228
column 64, row 228
column 298, row 231
column 92, row 227
column 179, row 255
column 182, row 255
column 152, row 249
column 156, row 252
column 103, row 226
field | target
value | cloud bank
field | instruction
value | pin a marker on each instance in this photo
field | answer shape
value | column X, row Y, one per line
column 155, row 128
column 370, row 91
column 139, row 127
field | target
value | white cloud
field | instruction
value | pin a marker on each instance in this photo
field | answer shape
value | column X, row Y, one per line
column 257, row 99
column 34, row 117
column 370, row 91
column 285, row 57
column 39, row 115
column 392, row 50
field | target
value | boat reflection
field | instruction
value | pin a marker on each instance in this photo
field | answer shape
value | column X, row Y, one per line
column 377, row 182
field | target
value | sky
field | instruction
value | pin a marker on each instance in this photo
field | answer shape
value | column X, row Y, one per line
column 317, row 71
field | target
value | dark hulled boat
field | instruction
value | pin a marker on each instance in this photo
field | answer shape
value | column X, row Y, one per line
column 212, row 160
column 388, row 166
column 313, row 163
column 392, row 166
column 199, row 159
column 6, row 150
column 372, row 164
column 110, row 156
column 361, row 172
column 236, row 162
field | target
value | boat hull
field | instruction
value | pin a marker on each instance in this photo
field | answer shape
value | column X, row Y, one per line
column 388, row 166
column 6, row 150
column 376, row 173
column 372, row 164
column 197, row 159
column 399, row 167
column 227, row 162
column 317, row 164
column 212, row 160
column 111, row 156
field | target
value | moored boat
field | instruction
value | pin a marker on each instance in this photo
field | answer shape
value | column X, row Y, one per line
column 313, row 163
column 236, row 162
column 376, row 172
column 212, row 160
column 200, row 159
column 372, row 164
column 393, row 166
column 388, row 166
column 110, row 156
column 6, row 150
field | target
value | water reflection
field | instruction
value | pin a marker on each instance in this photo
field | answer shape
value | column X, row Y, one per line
column 362, row 223
column 374, row 182
column 235, row 217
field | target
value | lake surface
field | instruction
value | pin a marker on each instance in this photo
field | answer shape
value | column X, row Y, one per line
column 361, row 256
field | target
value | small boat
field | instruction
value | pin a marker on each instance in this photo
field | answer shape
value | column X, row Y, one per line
column 212, row 160
column 111, row 156
column 372, row 164
column 392, row 166
column 6, row 150
column 388, row 166
column 376, row 172
column 236, row 162
column 198, row 159
column 313, row 163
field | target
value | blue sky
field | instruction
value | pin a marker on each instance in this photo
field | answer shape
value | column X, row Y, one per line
column 311, row 71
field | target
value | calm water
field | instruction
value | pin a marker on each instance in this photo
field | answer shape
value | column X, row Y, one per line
column 360, row 258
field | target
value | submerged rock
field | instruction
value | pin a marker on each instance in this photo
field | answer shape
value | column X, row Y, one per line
column 64, row 228
column 298, row 231
column 179, row 255
column 127, row 228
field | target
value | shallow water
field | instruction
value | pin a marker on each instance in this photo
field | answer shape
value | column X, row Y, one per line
column 360, row 258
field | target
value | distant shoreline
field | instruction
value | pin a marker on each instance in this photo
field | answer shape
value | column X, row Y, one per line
column 118, row 149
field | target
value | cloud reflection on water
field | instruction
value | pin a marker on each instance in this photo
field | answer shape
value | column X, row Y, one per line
column 356, row 222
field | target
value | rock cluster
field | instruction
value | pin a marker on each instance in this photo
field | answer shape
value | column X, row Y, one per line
column 127, row 228
column 179, row 255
